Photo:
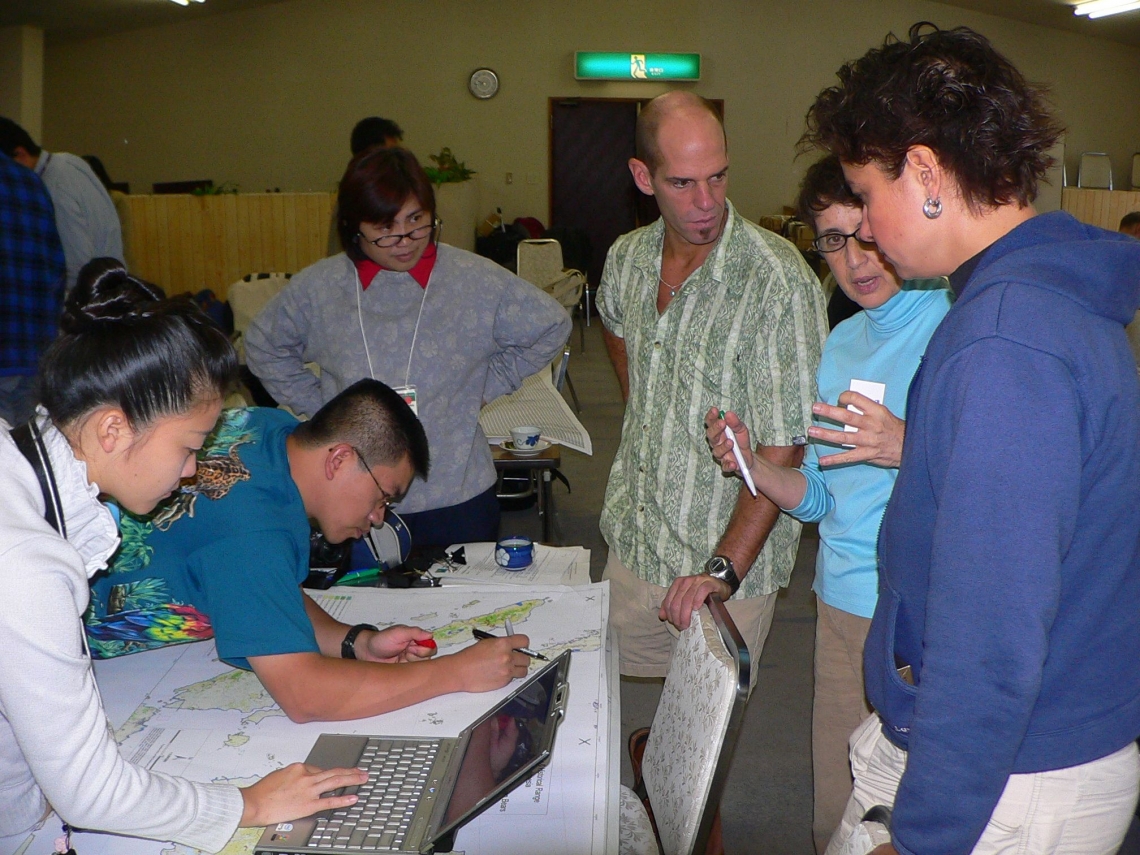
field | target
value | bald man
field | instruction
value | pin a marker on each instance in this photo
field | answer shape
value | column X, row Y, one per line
column 701, row 309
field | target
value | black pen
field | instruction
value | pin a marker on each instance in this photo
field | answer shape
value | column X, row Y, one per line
column 481, row 634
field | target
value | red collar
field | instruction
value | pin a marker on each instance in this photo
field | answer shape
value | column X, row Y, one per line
column 367, row 268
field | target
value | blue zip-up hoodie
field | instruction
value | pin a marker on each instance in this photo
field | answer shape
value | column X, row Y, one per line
column 1009, row 557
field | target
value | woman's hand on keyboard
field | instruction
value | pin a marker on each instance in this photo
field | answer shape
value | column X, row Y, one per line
column 294, row 792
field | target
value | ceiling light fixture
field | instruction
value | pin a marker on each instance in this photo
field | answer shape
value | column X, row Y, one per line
column 1104, row 8
column 187, row 2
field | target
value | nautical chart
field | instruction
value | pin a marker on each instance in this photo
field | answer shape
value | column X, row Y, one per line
column 180, row 710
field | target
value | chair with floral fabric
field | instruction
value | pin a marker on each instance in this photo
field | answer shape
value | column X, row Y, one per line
column 689, row 748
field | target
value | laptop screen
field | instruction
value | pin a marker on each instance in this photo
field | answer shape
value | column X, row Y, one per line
column 506, row 744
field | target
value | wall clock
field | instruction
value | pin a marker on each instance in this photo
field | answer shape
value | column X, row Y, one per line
column 484, row 83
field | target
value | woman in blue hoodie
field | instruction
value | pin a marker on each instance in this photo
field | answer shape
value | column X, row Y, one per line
column 1003, row 654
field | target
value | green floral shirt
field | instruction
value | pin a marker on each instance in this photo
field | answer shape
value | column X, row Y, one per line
column 744, row 334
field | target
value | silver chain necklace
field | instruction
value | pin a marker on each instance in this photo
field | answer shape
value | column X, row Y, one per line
column 672, row 291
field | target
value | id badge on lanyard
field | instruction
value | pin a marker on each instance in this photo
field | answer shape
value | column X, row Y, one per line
column 408, row 393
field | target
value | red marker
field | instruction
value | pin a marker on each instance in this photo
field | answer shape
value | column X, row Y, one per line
column 429, row 643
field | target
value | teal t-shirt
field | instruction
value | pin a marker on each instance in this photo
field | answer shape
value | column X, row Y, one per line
column 884, row 345
column 222, row 558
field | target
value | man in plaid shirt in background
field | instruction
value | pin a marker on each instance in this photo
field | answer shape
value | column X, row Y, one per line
column 32, row 279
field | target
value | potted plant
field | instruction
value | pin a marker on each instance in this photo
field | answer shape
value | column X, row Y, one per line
column 455, row 198
column 447, row 169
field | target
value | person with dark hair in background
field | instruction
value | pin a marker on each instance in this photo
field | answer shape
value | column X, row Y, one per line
column 846, row 491
column 701, row 309
column 225, row 558
column 447, row 329
column 367, row 133
column 375, row 131
column 100, row 171
column 32, row 279
column 131, row 388
column 1001, row 659
column 1130, row 224
column 84, row 213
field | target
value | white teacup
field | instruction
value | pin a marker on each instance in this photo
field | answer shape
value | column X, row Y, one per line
column 525, row 437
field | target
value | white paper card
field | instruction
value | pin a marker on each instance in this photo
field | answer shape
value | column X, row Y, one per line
column 877, row 392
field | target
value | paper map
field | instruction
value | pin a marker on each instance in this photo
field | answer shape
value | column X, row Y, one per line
column 180, row 710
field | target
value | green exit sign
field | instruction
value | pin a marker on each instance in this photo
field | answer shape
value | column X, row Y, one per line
column 589, row 65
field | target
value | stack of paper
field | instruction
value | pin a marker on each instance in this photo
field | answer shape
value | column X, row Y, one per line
column 537, row 403
column 553, row 565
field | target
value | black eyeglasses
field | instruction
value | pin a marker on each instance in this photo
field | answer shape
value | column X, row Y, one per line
column 386, row 498
column 419, row 233
column 834, row 241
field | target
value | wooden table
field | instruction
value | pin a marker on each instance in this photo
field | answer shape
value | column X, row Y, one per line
column 540, row 469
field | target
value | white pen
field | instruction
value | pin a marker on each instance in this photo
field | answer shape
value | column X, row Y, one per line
column 739, row 455
column 508, row 626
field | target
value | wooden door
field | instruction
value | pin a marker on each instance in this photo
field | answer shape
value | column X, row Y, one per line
column 591, row 189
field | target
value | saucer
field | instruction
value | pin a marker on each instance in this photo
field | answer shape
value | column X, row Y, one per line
column 539, row 447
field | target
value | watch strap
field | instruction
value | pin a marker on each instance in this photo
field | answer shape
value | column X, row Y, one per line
column 348, row 646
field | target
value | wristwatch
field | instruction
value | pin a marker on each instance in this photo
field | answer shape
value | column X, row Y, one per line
column 348, row 646
column 721, row 568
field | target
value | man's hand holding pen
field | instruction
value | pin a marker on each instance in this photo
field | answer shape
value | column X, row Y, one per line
column 516, row 646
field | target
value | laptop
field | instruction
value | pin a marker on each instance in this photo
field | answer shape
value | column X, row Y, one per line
column 420, row 791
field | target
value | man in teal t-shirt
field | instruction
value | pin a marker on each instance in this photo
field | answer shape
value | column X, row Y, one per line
column 225, row 557
column 169, row 584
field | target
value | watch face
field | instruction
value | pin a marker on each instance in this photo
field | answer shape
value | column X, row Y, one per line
column 483, row 83
column 716, row 565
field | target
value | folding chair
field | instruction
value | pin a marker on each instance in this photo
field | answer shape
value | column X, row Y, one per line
column 247, row 297
column 539, row 261
column 519, row 486
column 688, row 751
column 560, row 369
column 1095, row 170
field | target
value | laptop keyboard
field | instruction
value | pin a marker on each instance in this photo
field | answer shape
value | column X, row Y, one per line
column 379, row 821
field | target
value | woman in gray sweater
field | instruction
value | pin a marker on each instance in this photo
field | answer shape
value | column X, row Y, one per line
column 448, row 329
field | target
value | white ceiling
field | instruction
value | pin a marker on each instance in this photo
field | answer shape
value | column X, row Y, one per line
column 65, row 20
column 1059, row 15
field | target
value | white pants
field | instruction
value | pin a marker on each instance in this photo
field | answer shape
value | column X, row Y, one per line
column 1082, row 810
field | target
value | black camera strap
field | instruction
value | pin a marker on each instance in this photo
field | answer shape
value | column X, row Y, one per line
column 31, row 444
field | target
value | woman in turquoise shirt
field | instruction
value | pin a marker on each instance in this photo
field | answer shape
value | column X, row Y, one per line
column 846, row 491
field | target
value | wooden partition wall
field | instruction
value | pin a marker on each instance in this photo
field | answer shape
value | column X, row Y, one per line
column 187, row 243
column 1102, row 208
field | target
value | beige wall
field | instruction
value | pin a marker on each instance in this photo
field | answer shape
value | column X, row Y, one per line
column 266, row 98
column 21, row 77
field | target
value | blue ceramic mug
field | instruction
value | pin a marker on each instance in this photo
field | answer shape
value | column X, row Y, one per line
column 514, row 553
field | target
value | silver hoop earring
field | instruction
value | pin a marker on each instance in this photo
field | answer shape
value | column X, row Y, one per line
column 932, row 208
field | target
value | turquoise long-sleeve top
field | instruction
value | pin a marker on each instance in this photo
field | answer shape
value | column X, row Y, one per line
column 884, row 345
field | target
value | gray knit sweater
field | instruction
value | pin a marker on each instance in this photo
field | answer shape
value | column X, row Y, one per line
column 481, row 331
